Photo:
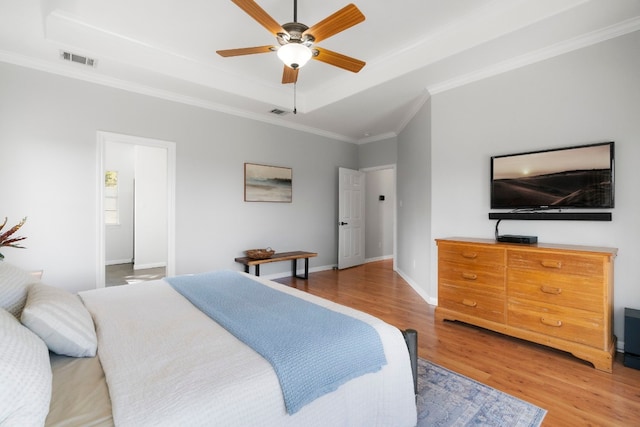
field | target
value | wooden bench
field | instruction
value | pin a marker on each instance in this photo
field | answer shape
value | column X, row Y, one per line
column 283, row 256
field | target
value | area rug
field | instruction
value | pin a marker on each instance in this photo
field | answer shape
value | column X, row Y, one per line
column 446, row 398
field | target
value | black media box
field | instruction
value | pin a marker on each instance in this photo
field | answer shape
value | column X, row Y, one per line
column 513, row 238
column 632, row 338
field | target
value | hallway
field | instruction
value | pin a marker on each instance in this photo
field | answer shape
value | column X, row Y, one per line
column 124, row 274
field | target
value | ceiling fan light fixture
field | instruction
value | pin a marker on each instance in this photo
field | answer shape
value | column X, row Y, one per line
column 294, row 55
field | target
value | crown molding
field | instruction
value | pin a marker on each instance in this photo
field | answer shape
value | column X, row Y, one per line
column 557, row 49
column 417, row 105
column 69, row 70
column 375, row 138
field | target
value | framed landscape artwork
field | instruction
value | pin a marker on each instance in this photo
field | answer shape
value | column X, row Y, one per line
column 264, row 183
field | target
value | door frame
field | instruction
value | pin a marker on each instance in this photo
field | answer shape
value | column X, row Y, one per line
column 395, row 205
column 103, row 138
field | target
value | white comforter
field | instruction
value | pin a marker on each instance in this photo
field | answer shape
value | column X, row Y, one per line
column 166, row 363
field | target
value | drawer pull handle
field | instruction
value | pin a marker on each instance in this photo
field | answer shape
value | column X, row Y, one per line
column 554, row 323
column 470, row 255
column 550, row 290
column 551, row 264
column 469, row 276
column 469, row 303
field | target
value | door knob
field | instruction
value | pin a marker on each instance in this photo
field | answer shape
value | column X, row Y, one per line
column 343, row 223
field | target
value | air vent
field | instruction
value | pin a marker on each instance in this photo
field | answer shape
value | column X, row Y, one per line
column 278, row 112
column 79, row 59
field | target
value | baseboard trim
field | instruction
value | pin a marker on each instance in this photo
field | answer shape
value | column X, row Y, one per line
column 428, row 299
column 118, row 261
column 149, row 265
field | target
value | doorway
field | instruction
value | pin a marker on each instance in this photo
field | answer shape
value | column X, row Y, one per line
column 367, row 215
column 136, row 213
column 380, row 208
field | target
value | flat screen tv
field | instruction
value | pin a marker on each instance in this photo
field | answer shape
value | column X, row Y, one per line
column 571, row 177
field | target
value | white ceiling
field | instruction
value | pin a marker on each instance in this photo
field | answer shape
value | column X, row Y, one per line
column 413, row 49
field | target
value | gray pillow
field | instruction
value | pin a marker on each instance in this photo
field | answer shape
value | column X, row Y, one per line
column 61, row 320
column 25, row 375
column 13, row 287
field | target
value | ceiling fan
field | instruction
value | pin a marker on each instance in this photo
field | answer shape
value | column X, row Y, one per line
column 296, row 40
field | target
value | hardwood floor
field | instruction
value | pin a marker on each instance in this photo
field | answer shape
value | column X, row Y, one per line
column 571, row 390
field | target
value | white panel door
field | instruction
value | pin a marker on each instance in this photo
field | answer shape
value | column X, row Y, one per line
column 351, row 218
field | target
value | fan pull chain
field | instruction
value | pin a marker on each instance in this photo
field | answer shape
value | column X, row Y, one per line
column 295, row 85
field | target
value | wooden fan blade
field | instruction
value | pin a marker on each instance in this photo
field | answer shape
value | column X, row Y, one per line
column 339, row 60
column 256, row 12
column 289, row 75
column 345, row 18
column 245, row 51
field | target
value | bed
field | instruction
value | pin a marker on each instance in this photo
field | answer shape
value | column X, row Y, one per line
column 143, row 354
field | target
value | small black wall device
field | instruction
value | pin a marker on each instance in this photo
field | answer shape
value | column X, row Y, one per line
column 514, row 238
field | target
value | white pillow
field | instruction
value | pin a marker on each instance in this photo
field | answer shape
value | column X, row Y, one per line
column 13, row 287
column 61, row 320
column 25, row 375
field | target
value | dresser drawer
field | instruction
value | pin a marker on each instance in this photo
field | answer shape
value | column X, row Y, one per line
column 488, row 277
column 569, row 324
column 472, row 302
column 581, row 292
column 470, row 254
column 569, row 263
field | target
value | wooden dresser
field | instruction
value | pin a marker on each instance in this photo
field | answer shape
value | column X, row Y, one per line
column 560, row 296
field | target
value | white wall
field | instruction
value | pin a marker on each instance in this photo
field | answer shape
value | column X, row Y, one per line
column 48, row 145
column 414, row 202
column 150, row 233
column 378, row 153
column 585, row 96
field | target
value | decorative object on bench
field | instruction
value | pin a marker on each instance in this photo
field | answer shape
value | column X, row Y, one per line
column 259, row 253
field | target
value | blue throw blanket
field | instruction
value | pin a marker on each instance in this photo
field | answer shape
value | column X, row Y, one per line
column 313, row 350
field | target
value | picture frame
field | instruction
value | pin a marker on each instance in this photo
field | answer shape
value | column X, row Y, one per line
column 264, row 183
